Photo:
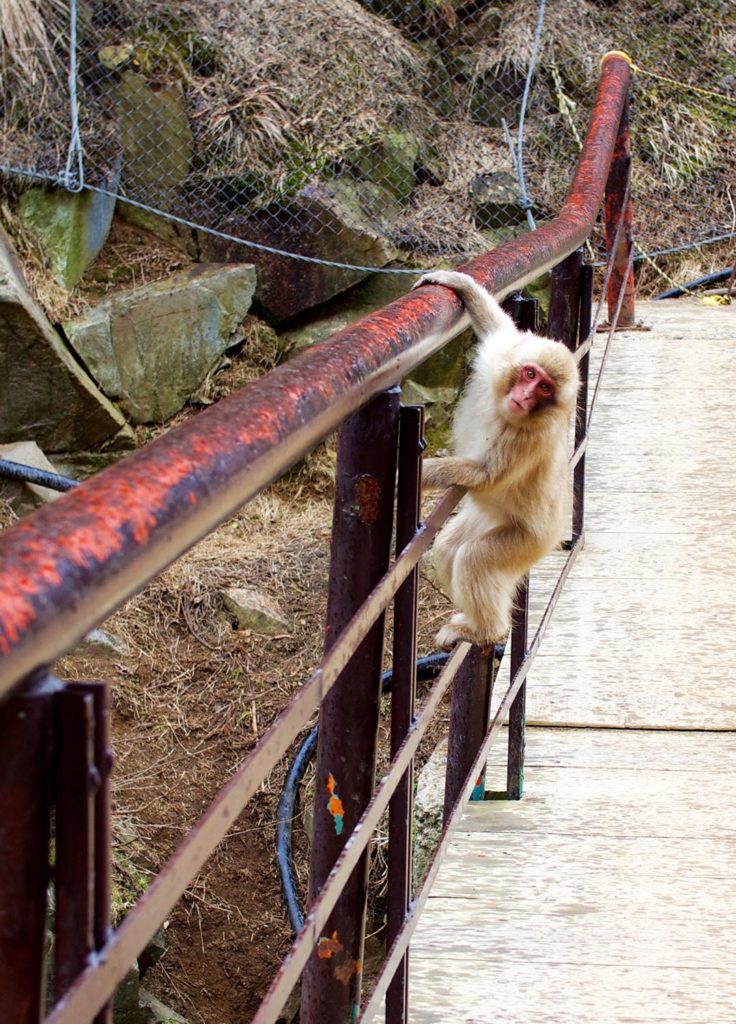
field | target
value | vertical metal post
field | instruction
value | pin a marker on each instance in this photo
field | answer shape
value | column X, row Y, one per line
column 469, row 712
column 526, row 316
column 517, row 711
column 564, row 300
column 618, row 205
column 74, row 871
column 346, row 757
column 102, row 857
column 26, row 737
column 403, row 693
column 581, row 416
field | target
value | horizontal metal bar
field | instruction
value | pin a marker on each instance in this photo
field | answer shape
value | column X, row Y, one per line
column 65, row 567
column 92, row 989
column 308, row 937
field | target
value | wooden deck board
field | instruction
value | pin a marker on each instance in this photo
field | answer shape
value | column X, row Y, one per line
column 608, row 894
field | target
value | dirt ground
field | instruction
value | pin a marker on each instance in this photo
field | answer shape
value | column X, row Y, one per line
column 190, row 699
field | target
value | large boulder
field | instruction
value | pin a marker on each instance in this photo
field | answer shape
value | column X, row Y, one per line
column 45, row 396
column 343, row 221
column 150, row 348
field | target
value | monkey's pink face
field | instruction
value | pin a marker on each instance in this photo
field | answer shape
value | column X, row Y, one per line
column 532, row 390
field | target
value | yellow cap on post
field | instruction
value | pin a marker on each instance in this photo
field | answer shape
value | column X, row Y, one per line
column 619, row 53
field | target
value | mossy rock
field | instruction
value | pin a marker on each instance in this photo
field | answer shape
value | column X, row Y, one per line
column 496, row 94
column 388, row 161
column 71, row 228
column 151, row 174
column 437, row 84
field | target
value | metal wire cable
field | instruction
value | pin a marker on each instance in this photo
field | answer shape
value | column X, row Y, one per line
column 523, row 195
column 73, row 181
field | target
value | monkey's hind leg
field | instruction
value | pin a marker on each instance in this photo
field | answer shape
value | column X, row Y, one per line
column 484, row 581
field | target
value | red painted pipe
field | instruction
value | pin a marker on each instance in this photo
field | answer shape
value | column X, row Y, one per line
column 67, row 566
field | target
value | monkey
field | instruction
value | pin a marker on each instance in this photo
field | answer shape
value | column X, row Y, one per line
column 510, row 437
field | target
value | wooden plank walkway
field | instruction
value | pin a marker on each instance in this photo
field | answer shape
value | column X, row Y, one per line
column 608, row 894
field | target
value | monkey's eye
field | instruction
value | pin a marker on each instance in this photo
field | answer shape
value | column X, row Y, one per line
column 530, row 373
column 545, row 388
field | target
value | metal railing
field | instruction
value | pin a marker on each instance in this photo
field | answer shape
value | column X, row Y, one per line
column 67, row 566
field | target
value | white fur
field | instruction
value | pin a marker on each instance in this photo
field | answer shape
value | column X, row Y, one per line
column 516, row 471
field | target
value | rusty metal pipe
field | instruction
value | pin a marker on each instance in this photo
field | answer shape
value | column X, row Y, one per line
column 66, row 567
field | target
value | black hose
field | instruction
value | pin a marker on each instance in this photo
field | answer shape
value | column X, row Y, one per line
column 427, row 668
column 673, row 293
column 31, row 475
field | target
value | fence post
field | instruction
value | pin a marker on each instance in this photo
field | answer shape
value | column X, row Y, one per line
column 83, row 858
column 517, row 711
column 403, row 691
column 618, row 205
column 346, row 757
column 469, row 712
column 581, row 413
column 74, row 799
column 26, row 737
column 564, row 300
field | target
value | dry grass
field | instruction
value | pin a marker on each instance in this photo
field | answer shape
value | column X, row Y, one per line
column 29, row 30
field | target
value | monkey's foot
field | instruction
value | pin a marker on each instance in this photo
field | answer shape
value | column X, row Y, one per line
column 456, row 631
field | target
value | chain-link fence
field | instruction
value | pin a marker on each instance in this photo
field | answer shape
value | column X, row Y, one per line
column 366, row 131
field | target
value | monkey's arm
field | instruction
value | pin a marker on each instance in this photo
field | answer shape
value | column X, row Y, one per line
column 485, row 314
column 439, row 473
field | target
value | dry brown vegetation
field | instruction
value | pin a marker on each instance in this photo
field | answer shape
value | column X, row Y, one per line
column 190, row 699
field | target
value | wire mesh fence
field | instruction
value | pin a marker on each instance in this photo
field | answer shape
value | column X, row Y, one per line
column 368, row 131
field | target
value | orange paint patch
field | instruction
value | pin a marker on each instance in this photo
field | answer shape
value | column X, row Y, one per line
column 326, row 948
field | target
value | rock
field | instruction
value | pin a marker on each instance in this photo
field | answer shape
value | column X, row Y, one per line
column 151, row 173
column 388, row 162
column 126, row 1007
column 429, row 803
column 153, row 951
column 45, row 396
column 154, row 1011
column 496, row 94
column 438, row 403
column 183, row 238
column 80, row 465
column 252, row 609
column 101, row 644
column 21, row 495
column 70, row 226
column 373, row 293
column 344, row 221
column 437, row 83
column 150, row 348
column 495, row 197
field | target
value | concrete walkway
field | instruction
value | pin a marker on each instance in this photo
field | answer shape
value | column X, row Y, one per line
column 608, row 894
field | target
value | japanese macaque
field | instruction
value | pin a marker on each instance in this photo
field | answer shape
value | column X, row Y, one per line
column 510, row 437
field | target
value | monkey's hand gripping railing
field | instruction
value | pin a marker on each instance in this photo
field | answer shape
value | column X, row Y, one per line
column 67, row 566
